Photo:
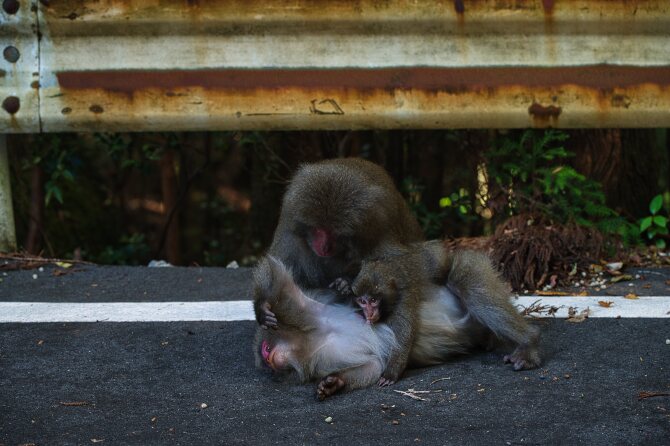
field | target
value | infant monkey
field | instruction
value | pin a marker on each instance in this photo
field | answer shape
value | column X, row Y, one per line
column 392, row 289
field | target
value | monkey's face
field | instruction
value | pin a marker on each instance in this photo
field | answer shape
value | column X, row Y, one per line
column 273, row 351
column 322, row 241
column 371, row 307
column 275, row 356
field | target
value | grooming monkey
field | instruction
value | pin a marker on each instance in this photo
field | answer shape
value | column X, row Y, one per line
column 389, row 290
column 333, row 344
column 336, row 213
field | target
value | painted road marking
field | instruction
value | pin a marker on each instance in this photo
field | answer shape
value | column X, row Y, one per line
column 242, row 310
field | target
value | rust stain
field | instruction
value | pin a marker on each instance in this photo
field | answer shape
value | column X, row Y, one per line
column 548, row 6
column 541, row 111
column 620, row 100
column 451, row 80
column 35, row 84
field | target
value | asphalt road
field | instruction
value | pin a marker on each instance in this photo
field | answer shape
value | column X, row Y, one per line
column 145, row 383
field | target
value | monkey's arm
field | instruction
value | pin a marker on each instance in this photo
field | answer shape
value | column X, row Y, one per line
column 403, row 323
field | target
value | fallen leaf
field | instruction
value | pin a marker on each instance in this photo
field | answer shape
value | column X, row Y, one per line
column 40, row 342
column 614, row 266
column 667, row 282
column 583, row 293
column 74, row 403
column 621, row 278
column 575, row 317
column 605, row 304
column 552, row 293
column 646, row 286
column 596, row 268
column 631, row 296
column 64, row 264
column 645, row 395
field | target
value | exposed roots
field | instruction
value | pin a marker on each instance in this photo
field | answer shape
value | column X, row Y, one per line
column 533, row 252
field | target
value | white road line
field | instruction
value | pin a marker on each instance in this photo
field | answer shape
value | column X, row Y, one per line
column 125, row 311
column 30, row 312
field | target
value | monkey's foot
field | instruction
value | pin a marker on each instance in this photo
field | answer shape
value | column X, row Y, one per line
column 341, row 286
column 267, row 318
column 329, row 386
column 385, row 382
column 389, row 377
column 523, row 358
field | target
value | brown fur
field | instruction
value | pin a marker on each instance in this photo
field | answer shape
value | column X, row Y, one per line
column 357, row 203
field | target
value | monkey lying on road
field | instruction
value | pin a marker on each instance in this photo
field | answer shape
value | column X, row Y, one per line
column 334, row 344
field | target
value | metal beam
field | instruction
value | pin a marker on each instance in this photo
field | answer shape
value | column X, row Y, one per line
column 300, row 64
column 7, row 231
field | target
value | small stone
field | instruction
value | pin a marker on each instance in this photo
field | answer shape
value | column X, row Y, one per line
column 203, row 406
column 328, row 420
column 41, row 269
column 395, row 422
column 667, row 342
column 34, row 276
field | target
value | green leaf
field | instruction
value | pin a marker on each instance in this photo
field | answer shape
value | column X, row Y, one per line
column 445, row 202
column 661, row 221
column 656, row 204
column 462, row 209
column 660, row 243
column 645, row 223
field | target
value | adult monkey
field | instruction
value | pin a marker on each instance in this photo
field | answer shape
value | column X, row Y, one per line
column 335, row 214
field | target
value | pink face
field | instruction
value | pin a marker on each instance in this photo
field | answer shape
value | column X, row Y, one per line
column 370, row 306
column 275, row 357
column 322, row 242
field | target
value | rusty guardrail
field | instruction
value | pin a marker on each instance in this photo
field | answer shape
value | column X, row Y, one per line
column 305, row 64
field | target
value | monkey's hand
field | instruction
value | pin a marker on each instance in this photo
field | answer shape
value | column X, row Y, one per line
column 265, row 317
column 342, row 286
column 329, row 386
column 523, row 358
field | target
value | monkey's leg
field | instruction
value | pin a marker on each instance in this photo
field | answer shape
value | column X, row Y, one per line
column 486, row 298
column 348, row 379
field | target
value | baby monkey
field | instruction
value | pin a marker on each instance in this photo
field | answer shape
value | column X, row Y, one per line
column 392, row 289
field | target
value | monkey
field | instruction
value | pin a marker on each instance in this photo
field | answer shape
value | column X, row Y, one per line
column 334, row 345
column 334, row 214
column 387, row 289
column 392, row 290
column 315, row 340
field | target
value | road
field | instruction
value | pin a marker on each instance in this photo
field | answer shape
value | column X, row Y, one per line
column 193, row 382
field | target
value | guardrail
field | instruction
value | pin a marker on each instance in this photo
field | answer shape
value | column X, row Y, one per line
column 125, row 65
column 298, row 64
